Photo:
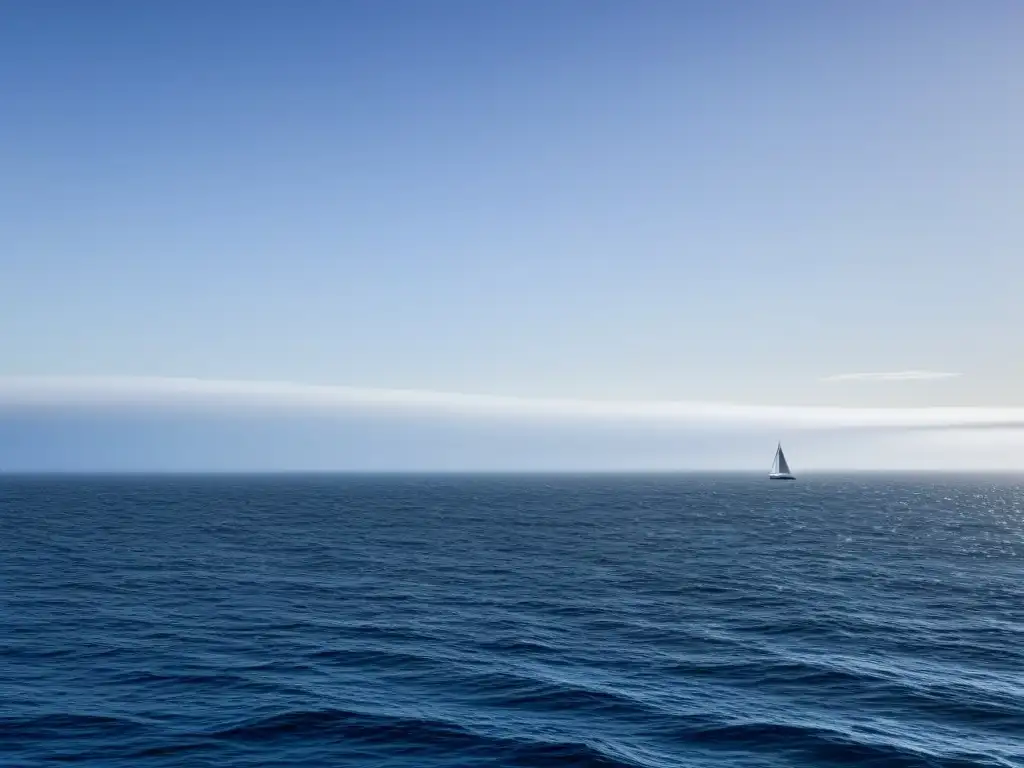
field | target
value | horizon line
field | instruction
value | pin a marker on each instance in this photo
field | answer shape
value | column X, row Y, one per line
column 486, row 472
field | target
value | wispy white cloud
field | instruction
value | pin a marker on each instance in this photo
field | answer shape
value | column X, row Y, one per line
column 23, row 391
column 893, row 376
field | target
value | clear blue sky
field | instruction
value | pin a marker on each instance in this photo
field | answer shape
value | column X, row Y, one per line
column 580, row 199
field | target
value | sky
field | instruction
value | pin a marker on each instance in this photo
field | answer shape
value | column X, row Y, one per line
column 618, row 219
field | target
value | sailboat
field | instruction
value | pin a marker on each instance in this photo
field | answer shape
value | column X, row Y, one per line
column 780, row 467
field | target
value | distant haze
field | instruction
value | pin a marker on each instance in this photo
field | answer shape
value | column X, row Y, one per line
column 136, row 424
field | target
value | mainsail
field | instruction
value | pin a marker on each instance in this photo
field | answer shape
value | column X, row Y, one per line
column 781, row 466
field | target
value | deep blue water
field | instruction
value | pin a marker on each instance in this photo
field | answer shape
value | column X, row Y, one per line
column 544, row 621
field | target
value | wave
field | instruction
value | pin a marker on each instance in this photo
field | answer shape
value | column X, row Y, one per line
column 829, row 745
column 362, row 730
column 58, row 725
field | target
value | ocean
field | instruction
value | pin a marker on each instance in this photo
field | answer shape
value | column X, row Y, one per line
column 655, row 621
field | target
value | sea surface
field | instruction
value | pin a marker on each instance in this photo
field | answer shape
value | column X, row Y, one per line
column 512, row 621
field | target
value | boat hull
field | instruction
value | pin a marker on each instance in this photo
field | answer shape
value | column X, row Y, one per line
column 781, row 476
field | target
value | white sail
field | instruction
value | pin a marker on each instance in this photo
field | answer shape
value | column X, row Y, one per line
column 780, row 467
column 783, row 464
